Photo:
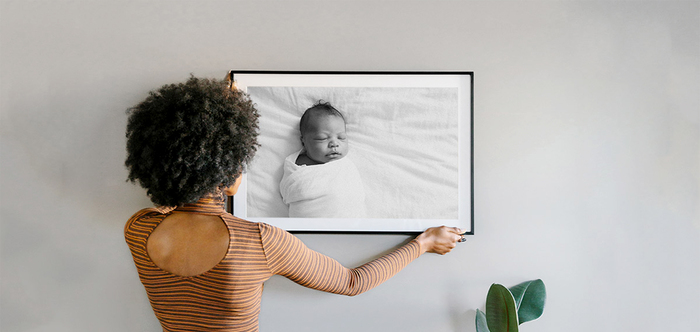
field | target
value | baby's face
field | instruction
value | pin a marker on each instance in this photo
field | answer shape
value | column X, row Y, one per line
column 325, row 139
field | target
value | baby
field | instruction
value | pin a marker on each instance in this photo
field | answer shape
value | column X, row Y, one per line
column 319, row 181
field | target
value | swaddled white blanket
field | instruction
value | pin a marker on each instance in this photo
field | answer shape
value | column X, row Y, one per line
column 330, row 190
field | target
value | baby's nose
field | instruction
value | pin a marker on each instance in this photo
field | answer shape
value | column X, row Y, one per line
column 333, row 143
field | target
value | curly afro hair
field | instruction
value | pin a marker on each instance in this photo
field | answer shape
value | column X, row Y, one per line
column 191, row 139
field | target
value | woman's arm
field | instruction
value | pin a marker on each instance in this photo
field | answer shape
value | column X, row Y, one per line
column 289, row 257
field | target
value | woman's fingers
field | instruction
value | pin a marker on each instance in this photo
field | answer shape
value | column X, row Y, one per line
column 460, row 232
column 447, row 240
column 441, row 240
column 453, row 233
column 444, row 248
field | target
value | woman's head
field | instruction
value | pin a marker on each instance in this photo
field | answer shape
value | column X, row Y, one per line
column 190, row 139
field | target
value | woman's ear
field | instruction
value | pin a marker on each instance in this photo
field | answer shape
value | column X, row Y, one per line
column 233, row 189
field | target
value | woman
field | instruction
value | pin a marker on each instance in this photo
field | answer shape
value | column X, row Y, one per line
column 203, row 269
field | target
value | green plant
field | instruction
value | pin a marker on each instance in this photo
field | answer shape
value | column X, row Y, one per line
column 507, row 308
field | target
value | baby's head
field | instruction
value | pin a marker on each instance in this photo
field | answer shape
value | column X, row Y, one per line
column 323, row 133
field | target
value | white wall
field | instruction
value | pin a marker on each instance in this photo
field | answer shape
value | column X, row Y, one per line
column 587, row 154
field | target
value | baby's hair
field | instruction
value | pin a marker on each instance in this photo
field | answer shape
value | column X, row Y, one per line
column 321, row 107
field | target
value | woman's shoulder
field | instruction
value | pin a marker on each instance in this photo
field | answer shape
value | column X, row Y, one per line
column 149, row 212
column 144, row 214
column 244, row 227
column 269, row 233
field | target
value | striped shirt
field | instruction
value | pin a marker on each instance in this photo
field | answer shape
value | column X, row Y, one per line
column 227, row 297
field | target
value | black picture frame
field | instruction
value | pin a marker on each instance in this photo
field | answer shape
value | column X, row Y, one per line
column 426, row 111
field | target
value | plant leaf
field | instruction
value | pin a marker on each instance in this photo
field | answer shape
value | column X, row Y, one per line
column 529, row 297
column 481, row 325
column 501, row 313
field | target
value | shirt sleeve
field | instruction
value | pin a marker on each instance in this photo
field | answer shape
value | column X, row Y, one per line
column 134, row 231
column 288, row 256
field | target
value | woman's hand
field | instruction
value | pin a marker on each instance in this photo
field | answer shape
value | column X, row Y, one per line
column 439, row 240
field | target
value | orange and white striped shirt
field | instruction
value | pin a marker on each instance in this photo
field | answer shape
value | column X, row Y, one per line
column 227, row 297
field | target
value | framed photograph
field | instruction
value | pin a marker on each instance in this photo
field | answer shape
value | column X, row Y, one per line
column 377, row 152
